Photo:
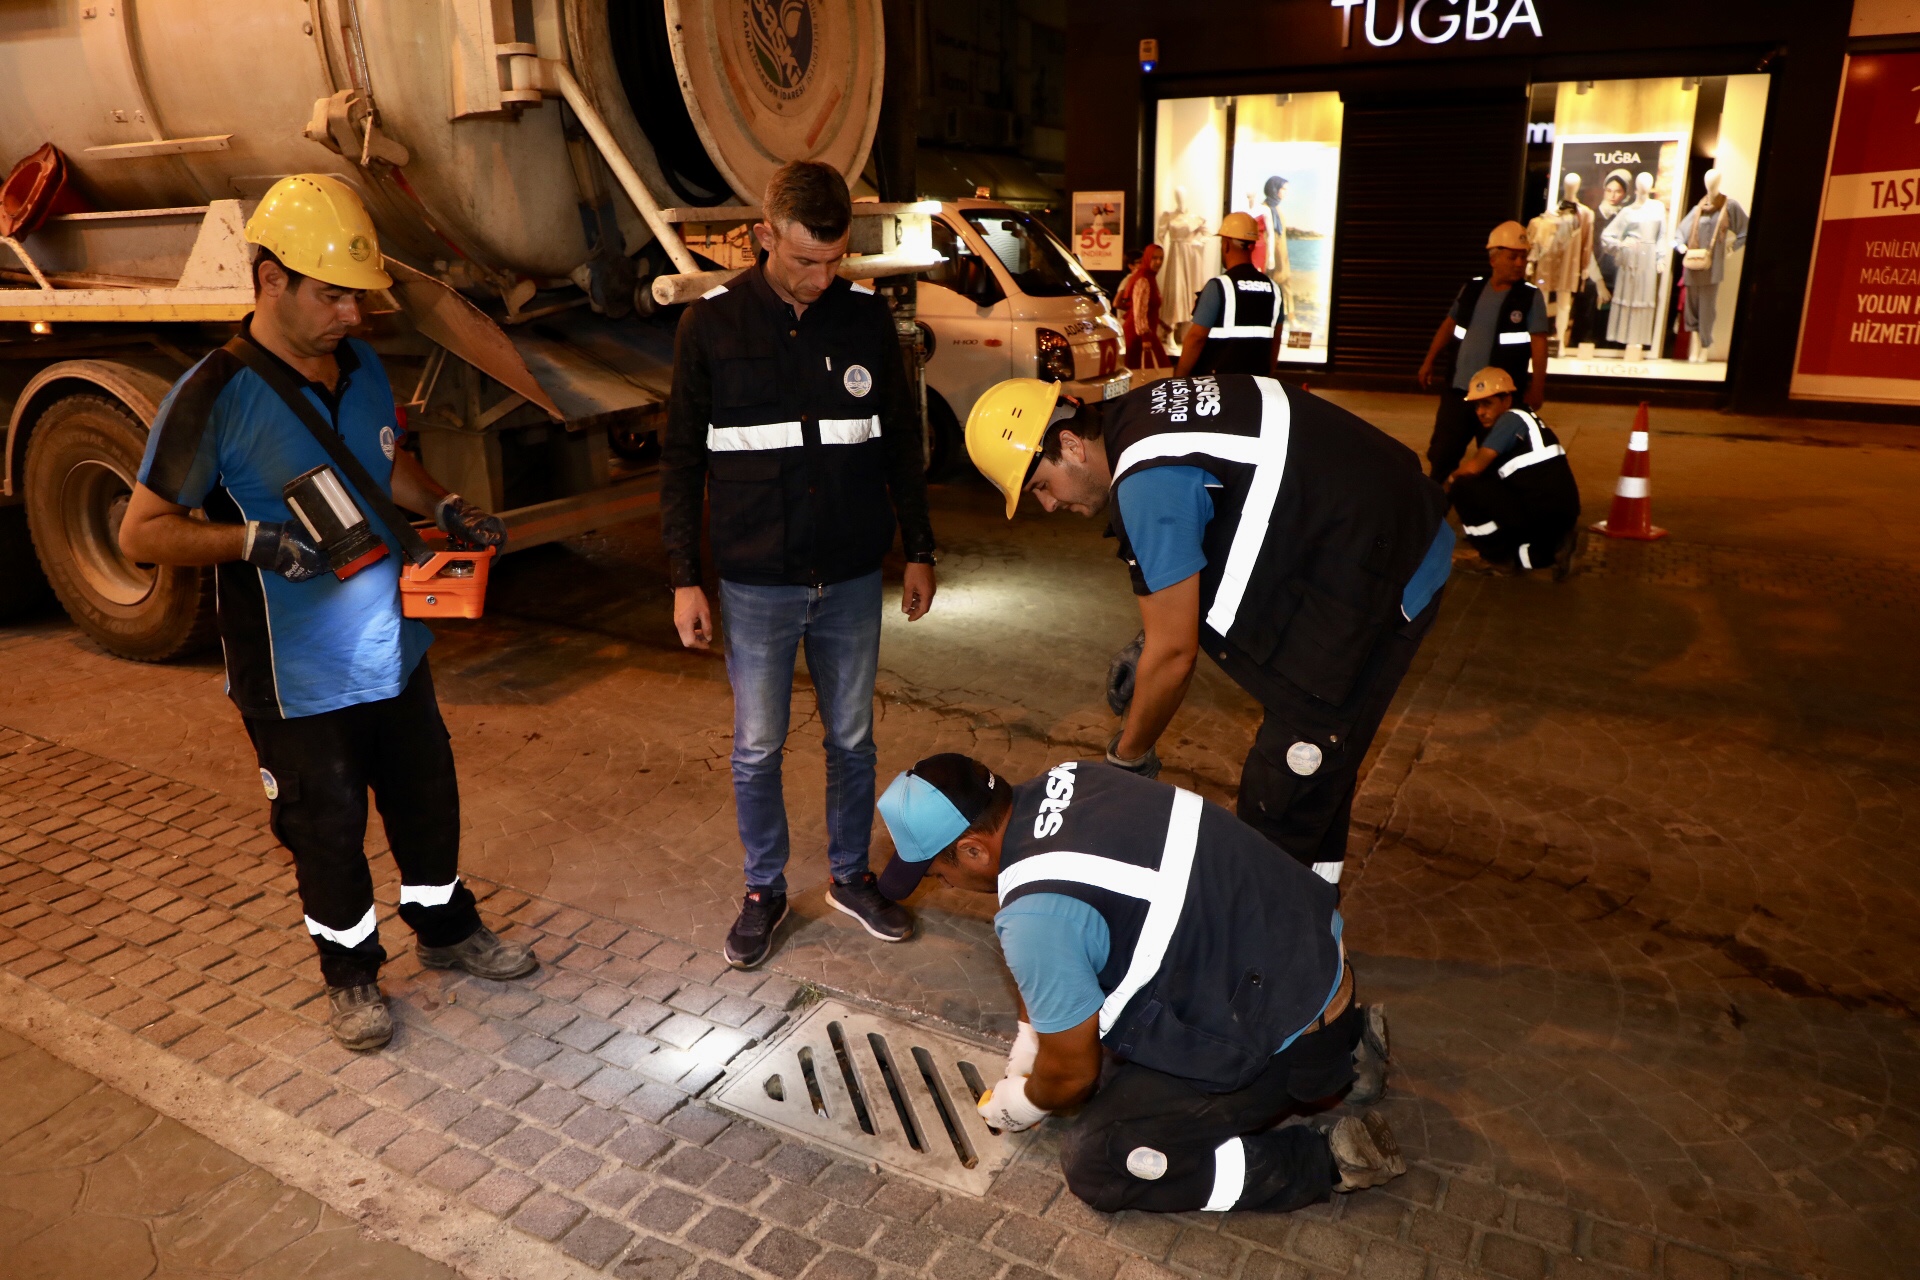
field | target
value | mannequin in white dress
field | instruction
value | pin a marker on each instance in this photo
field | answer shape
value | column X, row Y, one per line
column 1182, row 234
column 1638, row 236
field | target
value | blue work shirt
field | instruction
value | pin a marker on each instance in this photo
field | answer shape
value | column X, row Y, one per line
column 1166, row 511
column 223, row 441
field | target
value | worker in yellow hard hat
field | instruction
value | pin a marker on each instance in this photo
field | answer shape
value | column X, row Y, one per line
column 1236, row 323
column 1518, row 502
column 330, row 678
column 1497, row 319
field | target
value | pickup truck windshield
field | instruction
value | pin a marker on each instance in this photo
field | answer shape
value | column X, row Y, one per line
column 1036, row 261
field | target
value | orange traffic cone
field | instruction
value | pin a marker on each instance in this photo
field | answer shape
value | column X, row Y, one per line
column 1632, row 513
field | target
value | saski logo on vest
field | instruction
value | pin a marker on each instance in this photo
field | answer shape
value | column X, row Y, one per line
column 1176, row 398
column 1059, row 796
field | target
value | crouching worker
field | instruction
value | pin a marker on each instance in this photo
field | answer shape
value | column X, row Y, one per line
column 330, row 678
column 1518, row 503
column 1185, row 985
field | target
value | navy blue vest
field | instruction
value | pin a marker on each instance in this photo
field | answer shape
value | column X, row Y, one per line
column 1512, row 344
column 1223, row 948
column 1243, row 340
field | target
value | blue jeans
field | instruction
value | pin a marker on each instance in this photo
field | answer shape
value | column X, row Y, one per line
column 764, row 627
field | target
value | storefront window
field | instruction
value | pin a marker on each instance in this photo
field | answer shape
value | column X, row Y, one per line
column 1639, row 226
column 1275, row 157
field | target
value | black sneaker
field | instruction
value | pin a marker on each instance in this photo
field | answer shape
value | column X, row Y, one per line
column 878, row 914
column 751, row 938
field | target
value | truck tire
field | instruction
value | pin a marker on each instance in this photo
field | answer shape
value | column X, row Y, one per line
column 24, row 592
column 81, row 461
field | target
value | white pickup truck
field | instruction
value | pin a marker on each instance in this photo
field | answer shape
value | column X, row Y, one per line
column 1009, row 302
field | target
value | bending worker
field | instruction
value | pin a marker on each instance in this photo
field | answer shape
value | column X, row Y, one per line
column 1145, row 925
column 330, row 679
column 1236, row 323
column 1518, row 503
column 1301, row 547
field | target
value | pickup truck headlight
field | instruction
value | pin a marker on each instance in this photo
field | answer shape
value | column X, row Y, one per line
column 1052, row 357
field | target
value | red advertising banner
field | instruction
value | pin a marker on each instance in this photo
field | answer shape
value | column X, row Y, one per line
column 1860, row 332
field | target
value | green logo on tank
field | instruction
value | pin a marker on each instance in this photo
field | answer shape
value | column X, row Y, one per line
column 779, row 33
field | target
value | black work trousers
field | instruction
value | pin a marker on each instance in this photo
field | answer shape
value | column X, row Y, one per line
column 1141, row 1123
column 1297, row 786
column 1455, row 427
column 1519, row 520
column 318, row 770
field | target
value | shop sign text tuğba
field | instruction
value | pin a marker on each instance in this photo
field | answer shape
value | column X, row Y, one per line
column 1438, row 21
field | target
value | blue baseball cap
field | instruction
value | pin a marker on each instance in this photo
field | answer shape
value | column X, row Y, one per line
column 926, row 809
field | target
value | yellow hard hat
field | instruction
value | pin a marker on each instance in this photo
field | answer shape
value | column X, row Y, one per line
column 1508, row 235
column 1489, row 382
column 316, row 225
column 1239, row 226
column 1005, row 430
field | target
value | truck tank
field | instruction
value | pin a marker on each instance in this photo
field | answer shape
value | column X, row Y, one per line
column 528, row 163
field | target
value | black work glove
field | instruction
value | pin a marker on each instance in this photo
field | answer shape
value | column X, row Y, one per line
column 467, row 527
column 282, row 547
column 1147, row 766
column 1120, row 675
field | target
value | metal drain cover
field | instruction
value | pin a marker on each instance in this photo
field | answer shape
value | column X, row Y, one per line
column 877, row 1089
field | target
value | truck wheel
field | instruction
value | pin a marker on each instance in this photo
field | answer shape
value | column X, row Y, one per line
column 81, row 462
column 23, row 588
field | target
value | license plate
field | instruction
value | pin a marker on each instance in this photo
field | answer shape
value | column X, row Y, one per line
column 1117, row 386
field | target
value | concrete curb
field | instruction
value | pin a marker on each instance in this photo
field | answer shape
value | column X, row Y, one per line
column 384, row 1202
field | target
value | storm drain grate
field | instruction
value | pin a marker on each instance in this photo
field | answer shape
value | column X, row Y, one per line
column 877, row 1089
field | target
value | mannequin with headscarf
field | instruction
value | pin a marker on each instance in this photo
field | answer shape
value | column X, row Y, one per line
column 1279, row 264
column 1602, row 267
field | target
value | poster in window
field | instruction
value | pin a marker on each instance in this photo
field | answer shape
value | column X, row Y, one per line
column 1098, row 239
column 1860, row 329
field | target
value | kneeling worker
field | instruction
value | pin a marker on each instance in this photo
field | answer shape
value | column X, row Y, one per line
column 1185, row 984
column 1299, row 546
column 330, row 678
column 1518, row 503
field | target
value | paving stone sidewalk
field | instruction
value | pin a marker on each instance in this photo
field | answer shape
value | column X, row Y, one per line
column 569, row 1106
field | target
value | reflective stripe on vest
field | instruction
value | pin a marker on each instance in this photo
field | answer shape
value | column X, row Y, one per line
column 1515, row 339
column 788, row 435
column 1164, row 891
column 1267, row 453
column 1460, row 332
column 1227, row 328
column 1540, row 452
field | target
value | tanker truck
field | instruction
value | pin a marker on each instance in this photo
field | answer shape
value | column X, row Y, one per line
column 530, row 165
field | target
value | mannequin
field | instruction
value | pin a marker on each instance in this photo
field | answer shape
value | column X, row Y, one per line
column 1711, row 230
column 1183, row 234
column 1638, row 237
column 1562, row 248
column 1615, row 193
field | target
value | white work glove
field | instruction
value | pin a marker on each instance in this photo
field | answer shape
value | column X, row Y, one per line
column 1026, row 1049
column 1005, row 1106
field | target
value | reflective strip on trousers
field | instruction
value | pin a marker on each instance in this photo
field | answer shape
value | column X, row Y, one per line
column 1164, row 891
column 348, row 938
column 1526, row 560
column 1229, row 1176
column 1480, row 530
column 1227, row 328
column 788, row 435
column 428, row 895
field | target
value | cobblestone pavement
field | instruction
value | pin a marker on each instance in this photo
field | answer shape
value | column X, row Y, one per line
column 1633, row 868
column 94, row 1184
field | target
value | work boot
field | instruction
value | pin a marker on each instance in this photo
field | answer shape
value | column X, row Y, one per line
column 484, row 954
column 1365, row 1150
column 878, row 914
column 751, row 938
column 1370, row 1058
column 360, row 1020
column 1563, row 556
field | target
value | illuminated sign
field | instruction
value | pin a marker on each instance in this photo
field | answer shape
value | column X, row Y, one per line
column 1438, row 21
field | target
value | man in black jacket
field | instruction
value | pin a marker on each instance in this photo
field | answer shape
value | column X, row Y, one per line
column 791, row 409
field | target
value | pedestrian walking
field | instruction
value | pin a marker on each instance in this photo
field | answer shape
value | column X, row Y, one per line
column 1139, row 302
column 792, row 417
column 1496, row 319
column 1518, row 502
column 1298, row 545
column 330, row 679
column 1236, row 324
column 1181, row 985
